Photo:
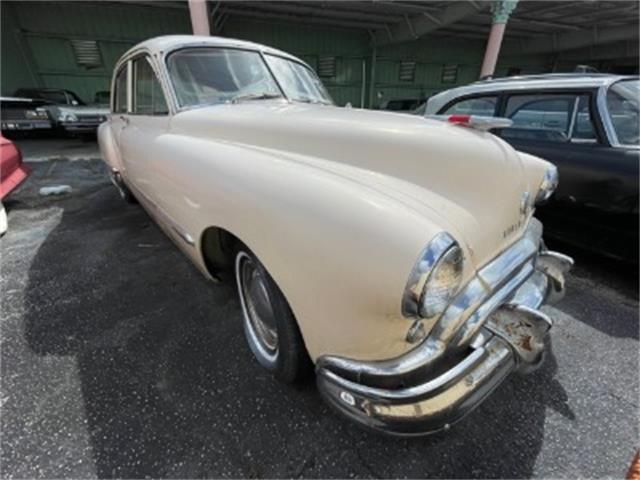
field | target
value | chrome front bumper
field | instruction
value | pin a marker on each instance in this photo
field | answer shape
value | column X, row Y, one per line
column 492, row 328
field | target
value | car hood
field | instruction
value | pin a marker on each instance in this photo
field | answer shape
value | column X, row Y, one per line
column 468, row 182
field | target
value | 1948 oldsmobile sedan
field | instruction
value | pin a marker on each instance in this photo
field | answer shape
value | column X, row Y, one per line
column 396, row 255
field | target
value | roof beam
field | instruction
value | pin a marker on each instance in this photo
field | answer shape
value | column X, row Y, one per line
column 416, row 26
column 326, row 11
column 571, row 41
column 231, row 9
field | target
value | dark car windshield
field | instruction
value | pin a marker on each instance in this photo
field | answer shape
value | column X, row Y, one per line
column 59, row 97
column 622, row 102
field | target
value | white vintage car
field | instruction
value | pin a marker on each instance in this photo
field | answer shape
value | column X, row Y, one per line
column 398, row 255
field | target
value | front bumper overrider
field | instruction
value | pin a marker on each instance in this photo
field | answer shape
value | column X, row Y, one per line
column 492, row 328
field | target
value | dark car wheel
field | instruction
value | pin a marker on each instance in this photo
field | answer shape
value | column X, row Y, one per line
column 269, row 324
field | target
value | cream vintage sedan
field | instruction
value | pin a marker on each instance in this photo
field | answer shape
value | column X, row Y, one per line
column 396, row 255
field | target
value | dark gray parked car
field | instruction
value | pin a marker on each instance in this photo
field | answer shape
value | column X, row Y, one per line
column 588, row 126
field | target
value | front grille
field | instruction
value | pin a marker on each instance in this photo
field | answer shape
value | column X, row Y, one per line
column 90, row 118
column 14, row 114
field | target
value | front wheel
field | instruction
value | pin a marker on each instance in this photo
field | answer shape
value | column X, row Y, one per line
column 269, row 324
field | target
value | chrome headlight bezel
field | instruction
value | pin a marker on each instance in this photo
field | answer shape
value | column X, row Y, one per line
column 548, row 185
column 442, row 248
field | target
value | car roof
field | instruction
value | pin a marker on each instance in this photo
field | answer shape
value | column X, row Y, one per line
column 557, row 81
column 167, row 43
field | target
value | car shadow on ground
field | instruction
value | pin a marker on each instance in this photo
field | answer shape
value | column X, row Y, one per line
column 170, row 389
column 621, row 279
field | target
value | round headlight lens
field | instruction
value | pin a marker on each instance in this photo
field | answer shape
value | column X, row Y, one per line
column 443, row 283
column 548, row 185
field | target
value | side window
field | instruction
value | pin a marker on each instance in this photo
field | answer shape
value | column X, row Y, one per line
column 483, row 106
column 148, row 98
column 550, row 118
column 120, row 102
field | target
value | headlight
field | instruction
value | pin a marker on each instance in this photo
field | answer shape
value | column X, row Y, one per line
column 67, row 117
column 548, row 185
column 435, row 279
column 31, row 114
column 443, row 283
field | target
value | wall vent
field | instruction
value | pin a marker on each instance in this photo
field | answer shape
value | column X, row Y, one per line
column 327, row 66
column 449, row 73
column 407, row 71
column 87, row 53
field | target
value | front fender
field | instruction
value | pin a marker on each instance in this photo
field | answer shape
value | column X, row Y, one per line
column 341, row 251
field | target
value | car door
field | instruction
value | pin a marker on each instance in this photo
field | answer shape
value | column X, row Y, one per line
column 146, row 121
column 563, row 128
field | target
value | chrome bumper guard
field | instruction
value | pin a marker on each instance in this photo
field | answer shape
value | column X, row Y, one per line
column 492, row 328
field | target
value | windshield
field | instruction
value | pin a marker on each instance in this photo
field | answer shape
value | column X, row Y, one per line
column 622, row 102
column 298, row 82
column 204, row 76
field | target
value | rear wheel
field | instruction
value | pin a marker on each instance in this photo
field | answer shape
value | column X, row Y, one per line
column 270, row 327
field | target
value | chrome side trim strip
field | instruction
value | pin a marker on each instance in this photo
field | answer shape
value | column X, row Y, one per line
column 184, row 236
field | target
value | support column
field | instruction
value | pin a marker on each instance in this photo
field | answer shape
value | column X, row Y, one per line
column 199, row 17
column 501, row 10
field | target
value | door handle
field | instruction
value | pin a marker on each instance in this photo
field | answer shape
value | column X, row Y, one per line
column 124, row 119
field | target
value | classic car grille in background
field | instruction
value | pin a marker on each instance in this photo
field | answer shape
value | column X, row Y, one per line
column 91, row 118
column 14, row 114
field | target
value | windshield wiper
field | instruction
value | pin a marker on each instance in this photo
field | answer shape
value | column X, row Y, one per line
column 254, row 96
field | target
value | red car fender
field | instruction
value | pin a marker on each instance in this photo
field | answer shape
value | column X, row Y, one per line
column 13, row 171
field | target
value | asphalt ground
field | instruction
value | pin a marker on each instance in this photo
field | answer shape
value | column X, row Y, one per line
column 118, row 359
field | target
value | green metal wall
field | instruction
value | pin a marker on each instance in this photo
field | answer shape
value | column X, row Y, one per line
column 35, row 49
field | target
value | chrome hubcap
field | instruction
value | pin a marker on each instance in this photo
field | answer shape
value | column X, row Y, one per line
column 259, row 310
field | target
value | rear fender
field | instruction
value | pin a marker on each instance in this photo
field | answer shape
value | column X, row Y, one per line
column 109, row 148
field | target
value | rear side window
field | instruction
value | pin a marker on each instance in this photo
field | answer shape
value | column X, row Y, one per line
column 550, row 118
column 483, row 106
column 120, row 103
column 148, row 98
